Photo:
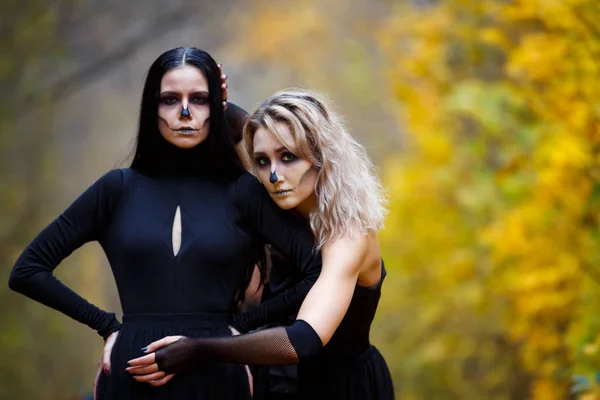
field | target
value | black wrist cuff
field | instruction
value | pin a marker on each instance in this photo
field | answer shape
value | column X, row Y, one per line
column 110, row 325
column 304, row 339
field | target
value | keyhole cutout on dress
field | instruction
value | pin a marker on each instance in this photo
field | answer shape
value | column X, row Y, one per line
column 177, row 232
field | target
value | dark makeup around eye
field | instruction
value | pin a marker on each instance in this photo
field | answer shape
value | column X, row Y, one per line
column 170, row 98
column 286, row 157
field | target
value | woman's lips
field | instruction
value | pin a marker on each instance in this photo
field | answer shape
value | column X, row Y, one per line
column 281, row 193
column 185, row 130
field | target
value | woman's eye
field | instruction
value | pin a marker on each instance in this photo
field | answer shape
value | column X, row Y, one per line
column 200, row 100
column 287, row 157
column 169, row 101
column 261, row 161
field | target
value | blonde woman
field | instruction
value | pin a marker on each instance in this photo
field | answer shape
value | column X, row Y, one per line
column 298, row 148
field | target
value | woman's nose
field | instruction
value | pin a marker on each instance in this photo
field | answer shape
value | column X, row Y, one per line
column 273, row 178
column 185, row 112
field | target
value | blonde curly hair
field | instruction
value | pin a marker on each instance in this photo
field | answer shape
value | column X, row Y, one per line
column 349, row 196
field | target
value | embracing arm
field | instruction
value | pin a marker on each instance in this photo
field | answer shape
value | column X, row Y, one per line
column 320, row 315
column 82, row 222
column 326, row 304
column 292, row 237
column 236, row 117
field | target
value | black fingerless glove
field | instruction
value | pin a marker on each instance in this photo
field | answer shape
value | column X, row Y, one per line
column 272, row 346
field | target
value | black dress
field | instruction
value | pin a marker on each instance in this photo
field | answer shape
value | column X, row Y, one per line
column 276, row 381
column 190, row 292
column 349, row 367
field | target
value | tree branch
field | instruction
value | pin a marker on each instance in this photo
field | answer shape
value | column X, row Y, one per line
column 65, row 86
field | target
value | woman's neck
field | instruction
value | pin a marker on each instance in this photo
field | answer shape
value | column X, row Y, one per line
column 175, row 161
column 307, row 207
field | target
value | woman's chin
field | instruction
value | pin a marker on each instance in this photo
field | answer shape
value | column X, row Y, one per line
column 285, row 203
column 184, row 142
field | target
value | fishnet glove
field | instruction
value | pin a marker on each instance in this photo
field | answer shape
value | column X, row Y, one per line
column 272, row 346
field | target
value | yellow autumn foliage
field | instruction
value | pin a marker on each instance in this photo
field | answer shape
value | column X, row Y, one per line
column 492, row 242
column 513, row 87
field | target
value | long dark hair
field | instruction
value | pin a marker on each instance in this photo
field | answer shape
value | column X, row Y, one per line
column 153, row 154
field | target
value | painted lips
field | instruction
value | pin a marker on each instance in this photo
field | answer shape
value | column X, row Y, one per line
column 281, row 193
column 186, row 131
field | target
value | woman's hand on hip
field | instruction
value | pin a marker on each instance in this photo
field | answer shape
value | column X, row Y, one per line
column 104, row 362
column 108, row 346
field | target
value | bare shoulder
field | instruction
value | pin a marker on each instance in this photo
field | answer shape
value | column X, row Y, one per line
column 356, row 245
column 355, row 255
column 346, row 253
column 358, row 238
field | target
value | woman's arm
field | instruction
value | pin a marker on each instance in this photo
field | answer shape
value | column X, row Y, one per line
column 82, row 222
column 254, row 291
column 321, row 313
column 327, row 302
column 292, row 237
column 236, row 117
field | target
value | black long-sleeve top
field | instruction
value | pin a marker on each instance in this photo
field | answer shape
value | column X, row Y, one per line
column 131, row 215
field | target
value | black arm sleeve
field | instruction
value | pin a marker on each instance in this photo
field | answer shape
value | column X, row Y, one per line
column 271, row 346
column 82, row 222
column 236, row 118
column 291, row 237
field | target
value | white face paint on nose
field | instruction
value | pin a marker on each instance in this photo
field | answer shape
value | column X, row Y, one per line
column 184, row 113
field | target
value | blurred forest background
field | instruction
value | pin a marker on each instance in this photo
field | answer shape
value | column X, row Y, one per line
column 482, row 115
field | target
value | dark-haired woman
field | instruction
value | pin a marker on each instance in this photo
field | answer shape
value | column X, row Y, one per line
column 298, row 147
column 181, row 229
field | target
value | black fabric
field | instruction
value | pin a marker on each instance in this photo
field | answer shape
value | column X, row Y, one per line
column 365, row 377
column 236, row 118
column 131, row 216
column 85, row 220
column 304, row 339
column 205, row 160
column 277, row 345
column 282, row 276
column 280, row 396
column 278, row 378
column 289, row 301
column 220, row 381
column 335, row 372
column 348, row 367
column 283, row 378
column 351, row 338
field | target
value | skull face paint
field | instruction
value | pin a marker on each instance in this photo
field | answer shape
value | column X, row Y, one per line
column 290, row 180
column 185, row 113
column 183, row 108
